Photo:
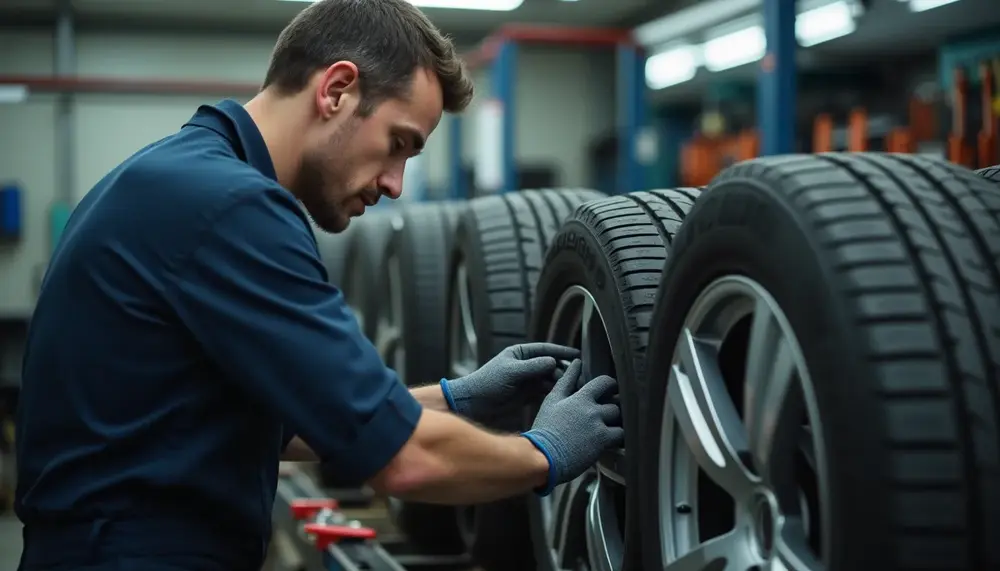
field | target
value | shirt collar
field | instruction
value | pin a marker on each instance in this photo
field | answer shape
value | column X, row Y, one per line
column 230, row 120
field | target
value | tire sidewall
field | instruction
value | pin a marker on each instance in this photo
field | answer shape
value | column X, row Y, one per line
column 576, row 258
column 741, row 228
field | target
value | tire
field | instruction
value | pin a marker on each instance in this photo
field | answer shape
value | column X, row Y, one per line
column 891, row 320
column 416, row 257
column 500, row 241
column 614, row 249
column 421, row 246
column 333, row 252
column 365, row 250
column 991, row 173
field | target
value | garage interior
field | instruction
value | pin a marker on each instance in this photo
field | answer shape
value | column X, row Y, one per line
column 775, row 222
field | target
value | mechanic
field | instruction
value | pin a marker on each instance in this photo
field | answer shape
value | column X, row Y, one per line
column 186, row 336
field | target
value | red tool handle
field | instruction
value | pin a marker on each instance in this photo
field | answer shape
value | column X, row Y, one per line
column 307, row 508
column 325, row 535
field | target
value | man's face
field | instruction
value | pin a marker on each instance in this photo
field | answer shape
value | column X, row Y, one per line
column 350, row 160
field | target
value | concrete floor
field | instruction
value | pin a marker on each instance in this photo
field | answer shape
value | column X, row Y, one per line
column 10, row 543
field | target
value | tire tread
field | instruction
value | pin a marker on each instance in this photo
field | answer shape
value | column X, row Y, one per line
column 917, row 244
column 515, row 229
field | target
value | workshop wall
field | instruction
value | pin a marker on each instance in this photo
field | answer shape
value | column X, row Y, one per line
column 27, row 155
column 563, row 98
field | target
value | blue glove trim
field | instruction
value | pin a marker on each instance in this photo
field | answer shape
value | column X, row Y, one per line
column 447, row 395
column 550, row 482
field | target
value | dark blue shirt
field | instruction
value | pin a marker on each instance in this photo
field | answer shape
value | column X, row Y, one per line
column 185, row 329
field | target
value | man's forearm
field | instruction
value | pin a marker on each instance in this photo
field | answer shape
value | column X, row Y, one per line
column 450, row 461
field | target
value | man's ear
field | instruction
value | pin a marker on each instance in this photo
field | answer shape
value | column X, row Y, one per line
column 339, row 89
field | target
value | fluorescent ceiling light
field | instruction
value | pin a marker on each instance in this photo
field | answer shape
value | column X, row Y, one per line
column 672, row 66
column 922, row 5
column 738, row 48
column 826, row 23
column 692, row 20
column 13, row 93
column 487, row 5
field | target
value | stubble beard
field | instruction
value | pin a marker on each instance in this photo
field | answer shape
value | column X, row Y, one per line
column 321, row 184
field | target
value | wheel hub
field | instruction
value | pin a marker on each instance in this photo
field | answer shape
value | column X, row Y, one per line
column 763, row 518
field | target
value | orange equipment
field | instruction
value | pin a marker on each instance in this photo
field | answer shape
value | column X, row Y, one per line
column 703, row 157
column 987, row 140
column 859, row 136
column 959, row 150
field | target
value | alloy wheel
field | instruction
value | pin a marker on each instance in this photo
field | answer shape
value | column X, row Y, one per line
column 463, row 341
column 742, row 465
column 353, row 292
column 583, row 519
column 389, row 340
column 463, row 349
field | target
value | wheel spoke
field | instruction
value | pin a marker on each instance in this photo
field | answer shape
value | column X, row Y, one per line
column 729, row 552
column 586, row 347
column 770, row 375
column 612, row 465
column 604, row 541
column 791, row 548
column 463, row 343
column 465, row 306
column 708, row 418
column 567, row 527
column 389, row 346
column 807, row 448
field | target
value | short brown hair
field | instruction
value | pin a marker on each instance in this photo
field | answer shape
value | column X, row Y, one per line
column 388, row 40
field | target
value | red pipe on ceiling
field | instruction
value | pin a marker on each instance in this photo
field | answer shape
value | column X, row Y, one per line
column 114, row 85
column 531, row 34
column 528, row 34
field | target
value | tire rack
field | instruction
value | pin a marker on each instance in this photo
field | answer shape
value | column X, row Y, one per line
column 325, row 540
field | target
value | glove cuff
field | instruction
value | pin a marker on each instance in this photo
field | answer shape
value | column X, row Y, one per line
column 446, row 391
column 550, row 481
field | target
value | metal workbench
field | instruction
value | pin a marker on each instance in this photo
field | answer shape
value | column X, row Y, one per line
column 325, row 539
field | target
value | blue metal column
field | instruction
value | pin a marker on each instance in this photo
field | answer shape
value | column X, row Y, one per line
column 633, row 116
column 504, row 74
column 459, row 189
column 776, row 83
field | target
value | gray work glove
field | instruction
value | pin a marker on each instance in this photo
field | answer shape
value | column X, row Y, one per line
column 518, row 376
column 575, row 426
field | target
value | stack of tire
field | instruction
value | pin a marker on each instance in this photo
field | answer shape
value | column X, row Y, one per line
column 808, row 357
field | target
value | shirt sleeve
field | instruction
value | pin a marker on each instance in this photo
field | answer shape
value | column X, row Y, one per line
column 256, row 298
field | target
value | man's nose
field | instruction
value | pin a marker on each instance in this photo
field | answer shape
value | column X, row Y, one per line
column 391, row 182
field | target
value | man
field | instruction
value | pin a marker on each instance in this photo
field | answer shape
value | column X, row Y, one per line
column 185, row 329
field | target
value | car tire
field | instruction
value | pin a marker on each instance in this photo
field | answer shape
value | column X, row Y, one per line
column 499, row 245
column 991, row 173
column 417, row 256
column 365, row 251
column 414, row 315
column 605, row 262
column 868, row 285
column 333, row 252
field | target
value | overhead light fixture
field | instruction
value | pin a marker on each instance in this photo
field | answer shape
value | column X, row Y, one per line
column 485, row 5
column 13, row 93
column 735, row 49
column 924, row 5
column 672, row 66
column 827, row 22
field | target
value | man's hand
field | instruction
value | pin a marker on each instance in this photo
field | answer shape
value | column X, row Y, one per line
column 519, row 375
column 575, row 426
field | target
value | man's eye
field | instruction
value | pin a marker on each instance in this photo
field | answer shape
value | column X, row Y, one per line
column 398, row 145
